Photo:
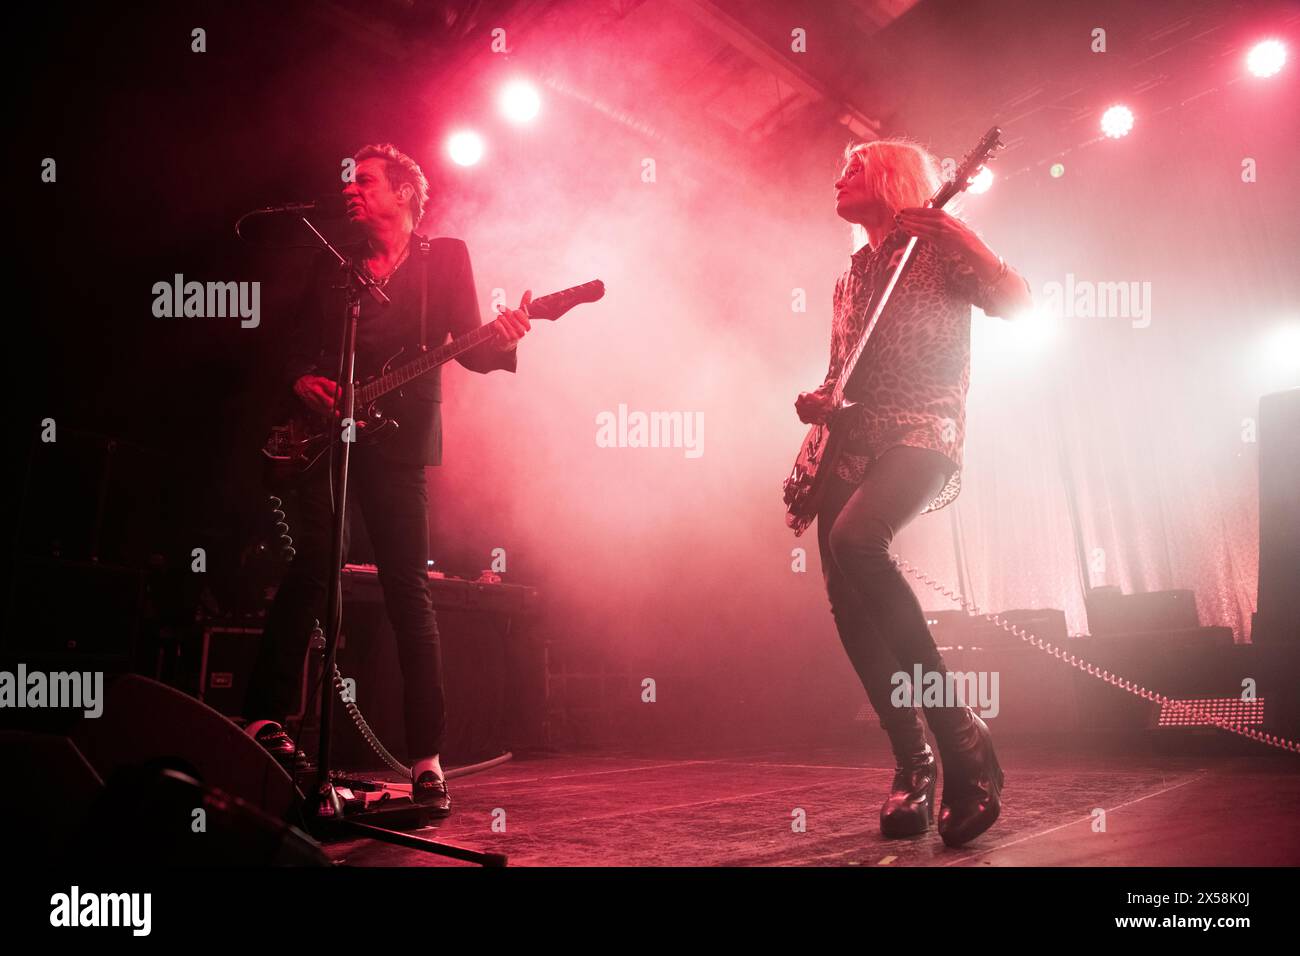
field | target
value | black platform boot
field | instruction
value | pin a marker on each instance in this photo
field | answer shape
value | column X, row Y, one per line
column 972, row 778
column 909, row 808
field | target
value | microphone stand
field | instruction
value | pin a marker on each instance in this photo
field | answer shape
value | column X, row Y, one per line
column 326, row 809
column 326, row 806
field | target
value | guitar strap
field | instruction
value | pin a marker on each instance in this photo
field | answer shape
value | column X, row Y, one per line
column 422, row 250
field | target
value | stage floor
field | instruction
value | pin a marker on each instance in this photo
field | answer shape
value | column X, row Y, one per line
column 737, row 810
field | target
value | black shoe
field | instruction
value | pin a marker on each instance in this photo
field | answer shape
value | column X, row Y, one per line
column 430, row 792
column 972, row 779
column 275, row 741
column 909, row 808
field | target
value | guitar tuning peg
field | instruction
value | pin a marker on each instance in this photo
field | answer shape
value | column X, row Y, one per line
column 288, row 553
column 281, row 528
column 277, row 515
column 274, row 502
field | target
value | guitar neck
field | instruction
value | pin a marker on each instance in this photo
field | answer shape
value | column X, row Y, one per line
column 846, row 373
column 549, row 307
column 426, row 362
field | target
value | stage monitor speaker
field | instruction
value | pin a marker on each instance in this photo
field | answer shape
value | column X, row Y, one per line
column 144, row 722
column 56, row 810
column 1277, row 620
column 49, row 788
column 147, row 815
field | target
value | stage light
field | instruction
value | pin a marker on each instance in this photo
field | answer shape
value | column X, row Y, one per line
column 1280, row 350
column 519, row 101
column 1033, row 331
column 1057, row 170
column 1272, row 361
column 1117, row 121
column 1266, row 58
column 1002, row 343
column 465, row 147
column 982, row 180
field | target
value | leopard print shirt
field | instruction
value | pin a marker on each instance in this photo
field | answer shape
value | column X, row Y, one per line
column 914, row 372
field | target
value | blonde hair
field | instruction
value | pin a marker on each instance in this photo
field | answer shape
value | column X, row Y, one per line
column 900, row 171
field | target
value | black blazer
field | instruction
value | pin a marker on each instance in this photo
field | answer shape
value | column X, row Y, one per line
column 382, row 331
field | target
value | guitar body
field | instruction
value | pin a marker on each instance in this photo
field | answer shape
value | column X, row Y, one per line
column 806, row 486
column 295, row 448
column 292, row 449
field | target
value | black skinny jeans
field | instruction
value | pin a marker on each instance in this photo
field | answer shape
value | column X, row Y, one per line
column 394, row 503
column 879, row 619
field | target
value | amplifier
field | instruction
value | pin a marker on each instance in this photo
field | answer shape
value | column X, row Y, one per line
column 92, row 498
column 1110, row 612
column 959, row 629
column 70, row 609
column 1035, row 692
column 226, row 665
column 361, row 584
column 493, row 668
column 1191, row 663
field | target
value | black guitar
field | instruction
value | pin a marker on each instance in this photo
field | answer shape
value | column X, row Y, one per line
column 294, row 448
column 807, row 482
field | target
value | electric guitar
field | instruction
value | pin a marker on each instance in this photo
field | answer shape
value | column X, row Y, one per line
column 804, row 488
column 295, row 447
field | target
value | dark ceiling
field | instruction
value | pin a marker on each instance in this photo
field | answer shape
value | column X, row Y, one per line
column 869, row 67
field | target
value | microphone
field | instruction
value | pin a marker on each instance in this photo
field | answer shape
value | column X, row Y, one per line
column 331, row 207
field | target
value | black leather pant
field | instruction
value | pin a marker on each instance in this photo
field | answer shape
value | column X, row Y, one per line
column 394, row 503
column 879, row 619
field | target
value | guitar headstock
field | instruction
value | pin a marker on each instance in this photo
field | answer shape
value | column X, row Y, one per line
column 557, row 303
column 981, row 153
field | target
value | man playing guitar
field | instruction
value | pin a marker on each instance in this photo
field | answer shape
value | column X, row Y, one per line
column 901, row 457
column 386, row 200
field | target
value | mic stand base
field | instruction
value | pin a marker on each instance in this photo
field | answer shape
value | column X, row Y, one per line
column 330, row 822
